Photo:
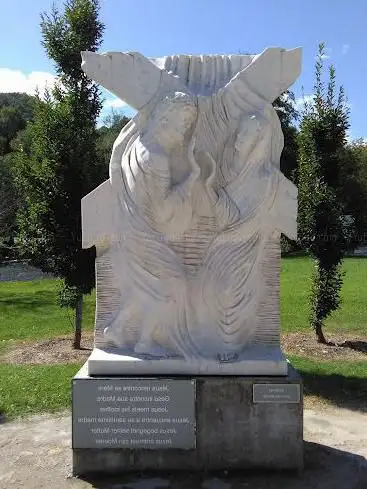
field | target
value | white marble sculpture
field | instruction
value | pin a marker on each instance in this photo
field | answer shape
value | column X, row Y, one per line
column 187, row 227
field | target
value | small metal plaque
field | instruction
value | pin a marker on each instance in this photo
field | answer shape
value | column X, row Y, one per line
column 134, row 413
column 277, row 393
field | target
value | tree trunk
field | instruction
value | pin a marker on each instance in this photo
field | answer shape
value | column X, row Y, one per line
column 319, row 333
column 78, row 323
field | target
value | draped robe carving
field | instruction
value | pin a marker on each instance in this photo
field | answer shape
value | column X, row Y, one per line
column 199, row 194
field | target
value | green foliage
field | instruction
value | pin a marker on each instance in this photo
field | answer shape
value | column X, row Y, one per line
column 8, row 207
column 354, row 187
column 10, row 123
column 15, row 110
column 21, row 102
column 107, row 135
column 57, row 163
column 288, row 115
column 321, row 223
column 68, row 296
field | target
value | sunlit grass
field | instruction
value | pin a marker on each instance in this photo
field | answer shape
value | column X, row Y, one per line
column 296, row 279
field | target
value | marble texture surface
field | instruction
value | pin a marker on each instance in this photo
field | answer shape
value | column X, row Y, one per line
column 187, row 227
column 257, row 360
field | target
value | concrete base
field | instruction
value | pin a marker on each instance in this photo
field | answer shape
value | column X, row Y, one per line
column 232, row 432
column 256, row 360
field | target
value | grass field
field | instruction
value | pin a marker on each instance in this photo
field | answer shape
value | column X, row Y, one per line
column 27, row 389
column 296, row 279
column 28, row 311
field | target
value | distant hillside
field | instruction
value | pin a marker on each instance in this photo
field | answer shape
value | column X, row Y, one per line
column 16, row 109
column 21, row 102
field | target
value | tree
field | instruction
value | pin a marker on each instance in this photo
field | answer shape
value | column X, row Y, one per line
column 15, row 110
column 8, row 208
column 62, row 164
column 21, row 102
column 322, row 145
column 354, row 187
column 107, row 135
column 288, row 115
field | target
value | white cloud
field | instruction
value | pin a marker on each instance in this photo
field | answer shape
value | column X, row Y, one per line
column 17, row 81
column 345, row 49
column 114, row 103
column 300, row 102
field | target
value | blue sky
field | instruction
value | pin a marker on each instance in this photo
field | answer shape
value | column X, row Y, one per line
column 162, row 27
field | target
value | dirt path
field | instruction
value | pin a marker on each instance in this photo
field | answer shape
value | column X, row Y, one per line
column 35, row 454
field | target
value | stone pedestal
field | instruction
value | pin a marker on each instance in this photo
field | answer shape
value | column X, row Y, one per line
column 240, row 423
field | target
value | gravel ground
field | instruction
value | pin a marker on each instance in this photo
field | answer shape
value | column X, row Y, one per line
column 35, row 453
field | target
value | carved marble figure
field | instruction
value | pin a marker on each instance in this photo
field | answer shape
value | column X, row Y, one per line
column 187, row 227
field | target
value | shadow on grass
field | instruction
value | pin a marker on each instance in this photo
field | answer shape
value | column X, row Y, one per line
column 295, row 254
column 360, row 346
column 325, row 467
column 345, row 392
column 301, row 254
column 40, row 298
column 356, row 257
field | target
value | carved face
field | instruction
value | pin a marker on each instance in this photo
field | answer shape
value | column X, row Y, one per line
column 253, row 141
column 173, row 118
column 249, row 132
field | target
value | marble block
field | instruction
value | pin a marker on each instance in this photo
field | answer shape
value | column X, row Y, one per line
column 187, row 227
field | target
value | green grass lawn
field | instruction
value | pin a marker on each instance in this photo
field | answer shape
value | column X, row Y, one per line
column 341, row 383
column 27, row 389
column 28, row 311
column 296, row 276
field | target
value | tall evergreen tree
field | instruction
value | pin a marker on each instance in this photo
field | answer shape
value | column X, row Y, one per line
column 321, row 223
column 62, row 164
column 288, row 115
